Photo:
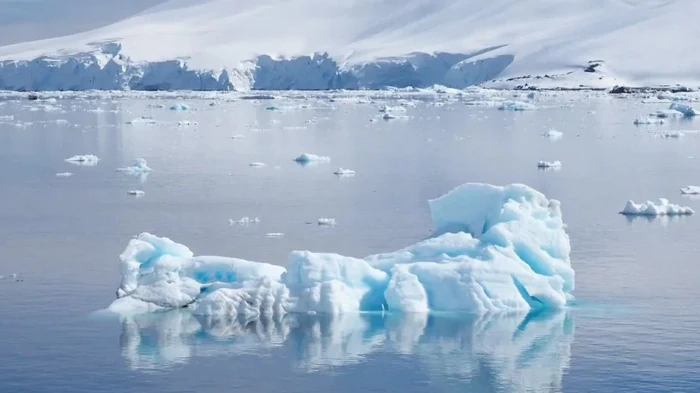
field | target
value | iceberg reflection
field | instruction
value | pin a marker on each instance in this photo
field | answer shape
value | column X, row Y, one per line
column 515, row 351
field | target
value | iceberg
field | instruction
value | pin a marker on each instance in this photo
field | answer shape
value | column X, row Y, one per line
column 663, row 208
column 547, row 164
column 140, row 167
column 84, row 160
column 307, row 158
column 329, row 222
column 686, row 110
column 495, row 249
column 690, row 190
column 180, row 107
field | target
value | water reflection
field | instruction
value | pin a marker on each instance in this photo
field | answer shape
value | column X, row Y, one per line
column 521, row 352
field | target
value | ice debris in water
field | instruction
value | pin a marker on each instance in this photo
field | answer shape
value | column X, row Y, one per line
column 389, row 109
column 64, row 174
column 516, row 106
column 14, row 277
column 139, row 167
column 495, row 249
column 344, row 172
column 6, row 117
column 663, row 208
column 186, row 123
column 238, row 136
column 667, row 113
column 686, row 110
column 137, row 193
column 326, row 222
column 553, row 134
column 274, row 234
column 672, row 134
column 257, row 164
column 244, row 221
column 649, row 120
column 547, row 164
column 142, row 121
column 690, row 190
column 85, row 160
column 180, row 107
column 308, row 158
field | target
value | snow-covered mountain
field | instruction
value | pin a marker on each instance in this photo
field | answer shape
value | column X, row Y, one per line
column 327, row 44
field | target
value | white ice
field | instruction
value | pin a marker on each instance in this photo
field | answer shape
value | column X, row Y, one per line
column 690, row 190
column 137, row 193
column 84, row 160
column 495, row 249
column 64, row 174
column 326, row 221
column 663, row 208
column 308, row 158
column 180, row 107
column 257, row 164
column 344, row 172
column 139, row 167
column 547, row 164
column 244, row 221
column 553, row 134
column 649, row 120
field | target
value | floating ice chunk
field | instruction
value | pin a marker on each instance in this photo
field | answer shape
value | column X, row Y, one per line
column 186, row 123
column 308, row 158
column 389, row 109
column 686, row 110
column 553, row 134
column 326, row 222
column 667, row 114
column 180, row 107
column 663, row 208
column 531, row 96
column 274, row 234
column 344, row 172
column 648, row 120
column 690, row 190
column 272, row 108
column 156, row 106
column 142, row 121
column 672, row 134
column 139, row 167
column 516, row 106
column 137, row 193
column 7, row 117
column 64, row 174
column 84, row 160
column 547, row 164
column 257, row 164
column 238, row 136
column 244, row 221
column 496, row 249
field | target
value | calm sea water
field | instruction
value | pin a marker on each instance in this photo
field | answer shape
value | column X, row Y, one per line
column 634, row 326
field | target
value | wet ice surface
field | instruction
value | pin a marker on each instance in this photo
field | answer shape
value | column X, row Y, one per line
column 633, row 326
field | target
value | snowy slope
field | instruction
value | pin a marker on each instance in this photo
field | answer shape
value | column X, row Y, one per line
column 275, row 44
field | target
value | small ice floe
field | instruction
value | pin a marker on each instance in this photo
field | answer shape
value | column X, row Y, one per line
column 142, row 121
column 516, row 106
column 308, row 158
column 156, row 106
column 690, row 190
column 667, row 114
column 244, row 221
column 257, row 164
column 547, row 164
column 139, row 167
column 553, row 134
column 238, row 136
column 272, row 108
column 344, row 172
column 7, row 118
column 663, row 208
column 64, row 174
column 180, row 107
column 84, row 160
column 274, row 234
column 186, row 123
column 327, row 222
column 23, row 124
column 12, row 277
column 137, row 193
column 672, row 134
column 389, row 109
column 648, row 120
column 686, row 110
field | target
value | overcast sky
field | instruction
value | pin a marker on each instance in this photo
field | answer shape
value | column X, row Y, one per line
column 27, row 20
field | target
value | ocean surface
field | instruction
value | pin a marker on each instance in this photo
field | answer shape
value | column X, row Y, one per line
column 634, row 326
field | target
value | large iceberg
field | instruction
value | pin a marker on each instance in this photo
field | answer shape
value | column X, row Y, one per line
column 495, row 249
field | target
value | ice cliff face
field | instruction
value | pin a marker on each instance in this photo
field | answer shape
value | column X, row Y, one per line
column 496, row 249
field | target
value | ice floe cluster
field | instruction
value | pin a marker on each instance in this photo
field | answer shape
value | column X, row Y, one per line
column 495, row 249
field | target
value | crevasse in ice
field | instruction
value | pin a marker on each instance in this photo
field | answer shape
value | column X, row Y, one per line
column 494, row 249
